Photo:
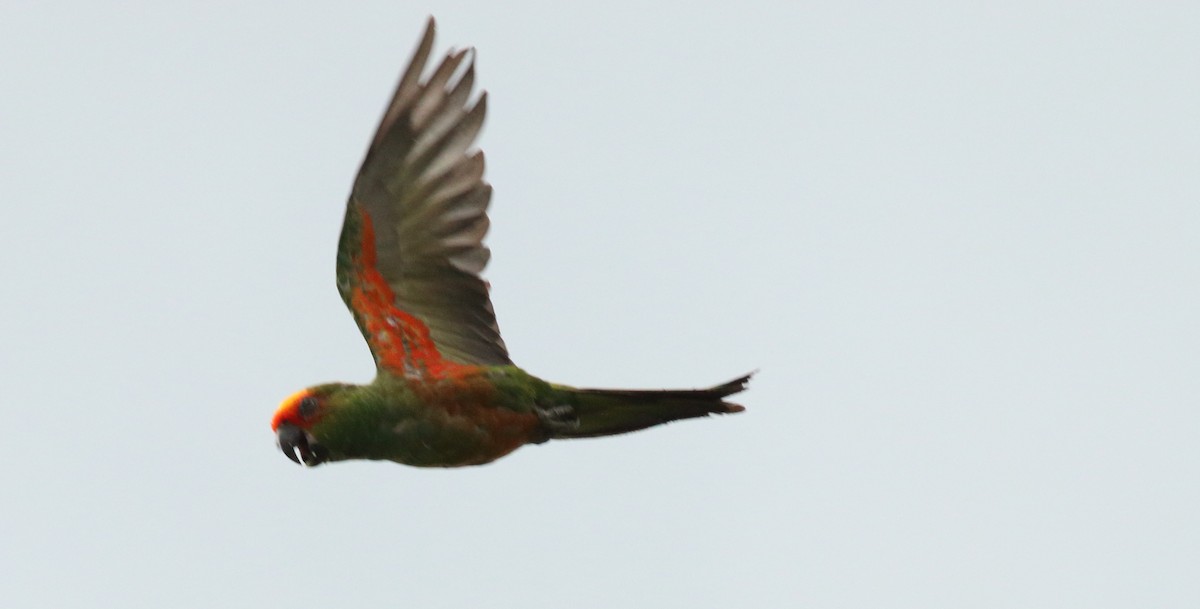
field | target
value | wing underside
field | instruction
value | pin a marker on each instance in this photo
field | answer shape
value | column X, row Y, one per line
column 411, row 248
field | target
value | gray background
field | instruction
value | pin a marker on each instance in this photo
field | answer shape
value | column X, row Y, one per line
column 959, row 241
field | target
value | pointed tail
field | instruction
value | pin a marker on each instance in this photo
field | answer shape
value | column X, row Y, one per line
column 606, row 412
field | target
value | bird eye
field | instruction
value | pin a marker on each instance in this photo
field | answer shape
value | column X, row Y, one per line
column 308, row 406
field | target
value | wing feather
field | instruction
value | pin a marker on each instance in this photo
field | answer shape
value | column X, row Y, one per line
column 412, row 244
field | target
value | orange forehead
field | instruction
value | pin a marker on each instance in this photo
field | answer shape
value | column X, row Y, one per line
column 289, row 409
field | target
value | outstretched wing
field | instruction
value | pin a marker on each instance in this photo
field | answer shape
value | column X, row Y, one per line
column 411, row 249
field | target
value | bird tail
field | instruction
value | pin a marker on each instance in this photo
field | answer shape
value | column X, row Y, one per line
column 607, row 412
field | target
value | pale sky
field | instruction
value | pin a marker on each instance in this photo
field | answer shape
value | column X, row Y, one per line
column 961, row 243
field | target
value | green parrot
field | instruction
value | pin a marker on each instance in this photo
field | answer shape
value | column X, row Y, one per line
column 446, row 393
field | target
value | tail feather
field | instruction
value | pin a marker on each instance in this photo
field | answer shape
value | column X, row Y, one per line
column 606, row 412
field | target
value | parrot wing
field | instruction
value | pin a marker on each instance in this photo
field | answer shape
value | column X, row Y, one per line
column 411, row 249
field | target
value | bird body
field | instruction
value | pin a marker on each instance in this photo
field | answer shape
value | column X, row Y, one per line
column 446, row 393
column 475, row 415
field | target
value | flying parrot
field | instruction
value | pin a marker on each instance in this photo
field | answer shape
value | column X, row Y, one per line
column 409, row 256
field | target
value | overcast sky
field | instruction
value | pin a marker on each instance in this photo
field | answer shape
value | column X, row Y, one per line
column 962, row 245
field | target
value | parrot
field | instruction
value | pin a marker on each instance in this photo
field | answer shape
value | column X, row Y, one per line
column 409, row 263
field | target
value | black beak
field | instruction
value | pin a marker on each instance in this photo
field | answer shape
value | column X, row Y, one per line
column 298, row 447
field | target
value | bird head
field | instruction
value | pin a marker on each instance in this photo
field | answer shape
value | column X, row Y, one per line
column 293, row 426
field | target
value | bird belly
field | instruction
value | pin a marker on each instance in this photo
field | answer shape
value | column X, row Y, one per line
column 460, row 434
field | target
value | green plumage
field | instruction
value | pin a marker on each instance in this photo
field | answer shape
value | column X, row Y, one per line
column 408, row 267
column 484, row 415
column 605, row 412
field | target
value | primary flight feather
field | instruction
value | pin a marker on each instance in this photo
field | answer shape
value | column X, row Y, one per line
column 445, row 393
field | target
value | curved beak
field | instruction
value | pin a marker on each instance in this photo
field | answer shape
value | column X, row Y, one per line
column 298, row 446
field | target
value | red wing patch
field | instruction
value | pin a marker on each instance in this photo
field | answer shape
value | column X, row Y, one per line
column 400, row 342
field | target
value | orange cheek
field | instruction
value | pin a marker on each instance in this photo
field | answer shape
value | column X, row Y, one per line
column 289, row 411
column 277, row 420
